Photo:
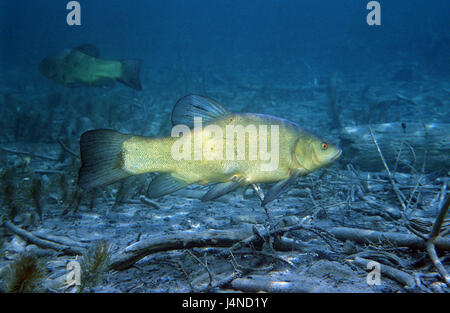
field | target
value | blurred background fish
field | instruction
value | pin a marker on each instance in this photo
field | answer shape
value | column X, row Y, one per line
column 83, row 67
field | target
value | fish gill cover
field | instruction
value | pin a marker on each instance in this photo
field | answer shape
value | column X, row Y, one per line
column 114, row 150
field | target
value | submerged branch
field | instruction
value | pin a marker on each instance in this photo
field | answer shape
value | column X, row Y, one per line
column 178, row 241
column 44, row 243
column 400, row 196
column 30, row 154
column 65, row 148
column 232, row 239
column 434, row 238
column 391, row 238
column 403, row 278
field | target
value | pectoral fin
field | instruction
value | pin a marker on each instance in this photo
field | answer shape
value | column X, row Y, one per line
column 221, row 189
column 165, row 184
column 280, row 187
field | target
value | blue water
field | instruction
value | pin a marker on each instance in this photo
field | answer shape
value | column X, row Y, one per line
column 233, row 33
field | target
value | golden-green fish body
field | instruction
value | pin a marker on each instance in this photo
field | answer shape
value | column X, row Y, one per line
column 214, row 165
column 230, row 149
column 82, row 67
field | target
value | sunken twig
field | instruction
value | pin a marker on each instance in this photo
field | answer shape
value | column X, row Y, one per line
column 391, row 238
column 400, row 196
column 44, row 243
column 402, row 277
column 177, row 241
column 210, row 238
column 268, row 284
column 149, row 202
column 432, row 241
column 30, row 154
column 65, row 148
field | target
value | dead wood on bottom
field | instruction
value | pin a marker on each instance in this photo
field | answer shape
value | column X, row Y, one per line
column 239, row 238
column 181, row 240
column 51, row 242
column 390, row 238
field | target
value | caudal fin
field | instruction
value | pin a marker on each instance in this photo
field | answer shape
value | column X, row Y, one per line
column 101, row 158
column 130, row 73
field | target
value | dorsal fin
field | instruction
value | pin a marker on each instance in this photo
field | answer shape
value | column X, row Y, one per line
column 88, row 49
column 192, row 106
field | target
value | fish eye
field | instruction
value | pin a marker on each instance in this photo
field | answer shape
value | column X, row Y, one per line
column 324, row 146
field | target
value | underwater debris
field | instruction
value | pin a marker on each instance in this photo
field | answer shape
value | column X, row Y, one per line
column 359, row 150
column 233, row 240
column 405, row 279
column 27, row 274
column 62, row 245
column 365, row 236
column 183, row 240
column 64, row 143
column 434, row 235
column 28, row 154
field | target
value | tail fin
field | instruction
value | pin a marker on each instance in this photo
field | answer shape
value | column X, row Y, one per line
column 130, row 73
column 101, row 158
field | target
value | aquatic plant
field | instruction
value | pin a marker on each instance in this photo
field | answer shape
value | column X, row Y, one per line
column 27, row 274
column 74, row 200
column 333, row 107
column 61, row 181
column 35, row 192
column 92, row 199
column 94, row 264
column 8, row 191
column 365, row 112
column 7, row 186
column 123, row 192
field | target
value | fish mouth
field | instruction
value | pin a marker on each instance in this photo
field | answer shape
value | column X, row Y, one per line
column 337, row 155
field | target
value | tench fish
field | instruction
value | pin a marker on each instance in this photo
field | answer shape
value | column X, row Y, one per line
column 83, row 67
column 208, row 144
